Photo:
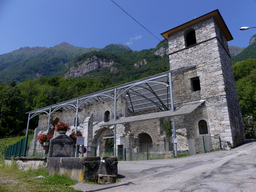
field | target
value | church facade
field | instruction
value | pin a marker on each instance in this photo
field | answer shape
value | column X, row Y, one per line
column 202, row 73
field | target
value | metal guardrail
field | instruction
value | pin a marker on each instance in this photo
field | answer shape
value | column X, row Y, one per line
column 18, row 149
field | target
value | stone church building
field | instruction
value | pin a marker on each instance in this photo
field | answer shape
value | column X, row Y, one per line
column 200, row 84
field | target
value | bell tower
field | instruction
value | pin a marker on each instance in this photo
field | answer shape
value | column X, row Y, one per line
column 202, row 43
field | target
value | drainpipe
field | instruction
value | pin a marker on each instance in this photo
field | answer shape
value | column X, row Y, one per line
column 173, row 120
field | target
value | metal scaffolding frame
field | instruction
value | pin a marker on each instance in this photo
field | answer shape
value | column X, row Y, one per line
column 147, row 93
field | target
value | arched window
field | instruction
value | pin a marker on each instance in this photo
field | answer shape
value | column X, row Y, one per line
column 190, row 38
column 106, row 116
column 202, row 127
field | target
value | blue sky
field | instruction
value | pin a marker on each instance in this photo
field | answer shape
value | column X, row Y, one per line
column 97, row 23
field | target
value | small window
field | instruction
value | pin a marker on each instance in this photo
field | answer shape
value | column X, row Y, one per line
column 106, row 116
column 190, row 38
column 202, row 127
column 195, row 84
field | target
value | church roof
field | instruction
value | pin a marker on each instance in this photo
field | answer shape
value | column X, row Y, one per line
column 217, row 17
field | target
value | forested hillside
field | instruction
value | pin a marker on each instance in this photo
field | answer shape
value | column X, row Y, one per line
column 248, row 52
column 116, row 48
column 123, row 67
column 16, row 100
column 32, row 63
column 19, row 98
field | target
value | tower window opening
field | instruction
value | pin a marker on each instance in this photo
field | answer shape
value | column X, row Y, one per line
column 190, row 38
column 195, row 83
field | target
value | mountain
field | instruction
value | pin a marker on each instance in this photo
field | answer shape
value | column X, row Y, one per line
column 31, row 63
column 253, row 39
column 234, row 50
column 126, row 66
column 248, row 52
column 116, row 48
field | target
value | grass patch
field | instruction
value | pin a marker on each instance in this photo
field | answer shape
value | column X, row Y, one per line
column 12, row 180
column 5, row 143
column 183, row 155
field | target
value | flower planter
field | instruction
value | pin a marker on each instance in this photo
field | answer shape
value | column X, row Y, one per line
column 44, row 140
column 62, row 132
column 61, row 127
column 46, row 147
column 45, row 144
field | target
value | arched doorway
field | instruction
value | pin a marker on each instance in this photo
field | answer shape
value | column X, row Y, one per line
column 104, row 140
column 109, row 146
column 145, row 141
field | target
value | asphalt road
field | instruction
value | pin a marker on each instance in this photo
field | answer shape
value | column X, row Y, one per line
column 231, row 171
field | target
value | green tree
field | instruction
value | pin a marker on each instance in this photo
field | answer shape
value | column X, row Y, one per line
column 12, row 112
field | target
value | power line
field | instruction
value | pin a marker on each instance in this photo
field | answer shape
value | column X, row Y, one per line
column 135, row 20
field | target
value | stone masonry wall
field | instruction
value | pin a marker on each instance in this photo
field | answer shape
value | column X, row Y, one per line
column 235, row 115
column 34, row 147
column 190, row 121
column 154, row 128
column 96, row 110
column 204, row 30
column 207, row 56
column 182, row 89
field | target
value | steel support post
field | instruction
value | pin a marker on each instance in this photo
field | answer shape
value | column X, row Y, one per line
column 28, row 124
column 169, row 126
column 173, row 120
column 49, row 117
column 76, row 154
column 115, row 120
column 76, row 115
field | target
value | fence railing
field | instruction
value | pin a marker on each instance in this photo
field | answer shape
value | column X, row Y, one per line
column 200, row 144
column 18, row 149
column 204, row 144
column 147, row 152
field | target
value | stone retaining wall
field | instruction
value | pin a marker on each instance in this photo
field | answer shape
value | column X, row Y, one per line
column 26, row 163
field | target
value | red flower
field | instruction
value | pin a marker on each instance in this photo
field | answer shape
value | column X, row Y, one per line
column 44, row 138
column 75, row 135
column 60, row 126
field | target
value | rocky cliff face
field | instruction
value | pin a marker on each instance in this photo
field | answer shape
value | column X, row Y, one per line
column 253, row 39
column 140, row 63
column 162, row 51
column 93, row 63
